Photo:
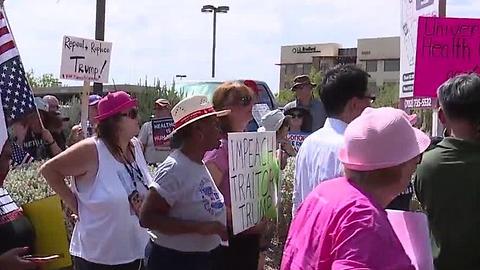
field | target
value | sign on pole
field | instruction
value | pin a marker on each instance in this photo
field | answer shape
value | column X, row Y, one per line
column 446, row 47
column 85, row 59
column 411, row 11
column 251, row 161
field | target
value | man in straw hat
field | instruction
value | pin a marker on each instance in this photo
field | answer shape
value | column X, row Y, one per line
column 448, row 179
column 342, row 224
column 303, row 88
column 184, row 209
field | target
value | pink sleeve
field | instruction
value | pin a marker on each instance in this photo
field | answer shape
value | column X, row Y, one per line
column 219, row 157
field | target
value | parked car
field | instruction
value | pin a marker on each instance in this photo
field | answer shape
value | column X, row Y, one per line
column 206, row 88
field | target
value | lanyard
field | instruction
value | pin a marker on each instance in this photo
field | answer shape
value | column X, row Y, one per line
column 133, row 170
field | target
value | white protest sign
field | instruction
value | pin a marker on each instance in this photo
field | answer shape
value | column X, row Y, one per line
column 85, row 59
column 250, row 159
column 258, row 111
column 411, row 229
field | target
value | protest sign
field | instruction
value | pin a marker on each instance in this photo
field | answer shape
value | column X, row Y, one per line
column 161, row 128
column 258, row 111
column 85, row 59
column 411, row 11
column 411, row 229
column 251, row 159
column 47, row 218
column 296, row 139
column 445, row 47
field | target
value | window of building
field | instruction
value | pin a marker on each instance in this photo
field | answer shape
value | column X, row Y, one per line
column 391, row 65
column 307, row 68
column 371, row 65
column 291, row 69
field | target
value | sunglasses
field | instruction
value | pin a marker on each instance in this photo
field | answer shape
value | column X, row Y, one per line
column 133, row 113
column 297, row 115
column 245, row 100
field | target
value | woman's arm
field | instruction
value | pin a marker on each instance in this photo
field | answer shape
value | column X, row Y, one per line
column 76, row 161
column 215, row 172
column 50, row 142
column 154, row 215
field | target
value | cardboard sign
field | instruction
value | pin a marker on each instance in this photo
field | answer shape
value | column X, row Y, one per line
column 161, row 128
column 250, row 159
column 411, row 229
column 296, row 139
column 47, row 218
column 411, row 11
column 85, row 59
column 258, row 111
column 445, row 47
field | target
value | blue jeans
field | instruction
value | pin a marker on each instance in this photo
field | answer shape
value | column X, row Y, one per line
column 158, row 257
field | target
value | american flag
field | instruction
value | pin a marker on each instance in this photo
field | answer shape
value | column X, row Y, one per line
column 17, row 97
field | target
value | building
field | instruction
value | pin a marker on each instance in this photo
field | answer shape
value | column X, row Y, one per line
column 380, row 57
column 300, row 59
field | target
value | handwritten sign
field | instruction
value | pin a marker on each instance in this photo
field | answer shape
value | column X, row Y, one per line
column 410, row 12
column 250, row 159
column 258, row 111
column 411, row 229
column 85, row 59
column 161, row 128
column 445, row 47
column 296, row 139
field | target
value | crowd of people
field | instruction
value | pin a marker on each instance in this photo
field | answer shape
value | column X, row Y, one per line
column 356, row 162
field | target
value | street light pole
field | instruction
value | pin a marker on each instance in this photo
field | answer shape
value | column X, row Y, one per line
column 214, row 41
column 99, row 35
column 214, row 10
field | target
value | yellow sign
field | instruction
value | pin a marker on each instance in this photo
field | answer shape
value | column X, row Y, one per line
column 47, row 218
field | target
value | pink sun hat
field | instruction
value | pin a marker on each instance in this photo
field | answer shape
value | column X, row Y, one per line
column 114, row 103
column 381, row 138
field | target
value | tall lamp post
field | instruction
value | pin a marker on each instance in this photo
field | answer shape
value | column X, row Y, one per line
column 214, row 10
column 99, row 35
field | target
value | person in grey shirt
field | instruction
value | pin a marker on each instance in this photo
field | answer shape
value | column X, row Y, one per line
column 303, row 88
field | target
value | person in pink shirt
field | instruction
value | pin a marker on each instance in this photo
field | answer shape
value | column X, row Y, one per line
column 342, row 224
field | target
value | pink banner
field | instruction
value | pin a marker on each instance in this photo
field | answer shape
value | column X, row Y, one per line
column 445, row 47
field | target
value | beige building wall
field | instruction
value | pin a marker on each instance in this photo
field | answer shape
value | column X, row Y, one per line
column 380, row 57
column 299, row 59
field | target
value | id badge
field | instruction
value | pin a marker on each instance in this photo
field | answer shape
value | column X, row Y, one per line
column 136, row 200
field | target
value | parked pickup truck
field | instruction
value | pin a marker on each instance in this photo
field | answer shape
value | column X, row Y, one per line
column 206, row 88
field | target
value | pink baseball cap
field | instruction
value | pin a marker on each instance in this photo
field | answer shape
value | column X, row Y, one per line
column 381, row 138
column 114, row 103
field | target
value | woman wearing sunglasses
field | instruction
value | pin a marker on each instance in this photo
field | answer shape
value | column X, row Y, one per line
column 110, row 180
column 243, row 250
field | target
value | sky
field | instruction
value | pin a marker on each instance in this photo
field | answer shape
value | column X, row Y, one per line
column 160, row 39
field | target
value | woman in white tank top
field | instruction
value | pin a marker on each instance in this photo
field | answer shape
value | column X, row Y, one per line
column 111, row 179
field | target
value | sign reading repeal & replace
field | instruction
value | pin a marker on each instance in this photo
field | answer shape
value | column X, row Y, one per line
column 250, row 158
column 85, row 59
column 445, row 47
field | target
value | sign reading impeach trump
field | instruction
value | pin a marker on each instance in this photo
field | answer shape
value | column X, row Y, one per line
column 250, row 157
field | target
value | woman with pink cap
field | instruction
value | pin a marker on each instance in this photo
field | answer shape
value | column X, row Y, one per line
column 110, row 180
column 342, row 224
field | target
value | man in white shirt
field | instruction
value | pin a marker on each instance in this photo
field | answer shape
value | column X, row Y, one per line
column 345, row 95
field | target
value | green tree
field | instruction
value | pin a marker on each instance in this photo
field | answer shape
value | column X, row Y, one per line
column 146, row 99
column 387, row 95
column 46, row 80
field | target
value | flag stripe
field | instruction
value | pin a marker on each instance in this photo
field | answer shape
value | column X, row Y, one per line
column 4, row 31
column 6, row 47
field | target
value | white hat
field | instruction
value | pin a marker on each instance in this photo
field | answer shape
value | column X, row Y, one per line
column 272, row 121
column 192, row 109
